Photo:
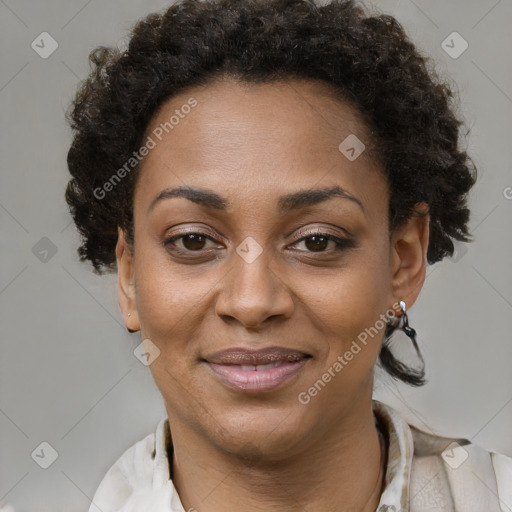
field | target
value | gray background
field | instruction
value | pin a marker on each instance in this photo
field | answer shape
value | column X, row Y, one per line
column 68, row 375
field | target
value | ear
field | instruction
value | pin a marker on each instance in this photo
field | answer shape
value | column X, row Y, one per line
column 409, row 245
column 126, row 283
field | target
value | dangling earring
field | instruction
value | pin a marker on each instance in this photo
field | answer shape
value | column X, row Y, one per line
column 409, row 331
column 396, row 368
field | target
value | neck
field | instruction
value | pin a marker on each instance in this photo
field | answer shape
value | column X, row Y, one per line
column 344, row 471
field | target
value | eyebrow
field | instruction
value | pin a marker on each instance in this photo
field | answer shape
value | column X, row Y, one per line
column 286, row 203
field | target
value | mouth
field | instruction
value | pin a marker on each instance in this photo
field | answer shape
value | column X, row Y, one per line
column 250, row 371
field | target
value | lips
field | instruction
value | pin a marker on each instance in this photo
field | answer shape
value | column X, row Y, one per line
column 264, row 356
column 256, row 371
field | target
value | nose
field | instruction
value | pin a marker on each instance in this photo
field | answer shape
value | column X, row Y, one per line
column 252, row 293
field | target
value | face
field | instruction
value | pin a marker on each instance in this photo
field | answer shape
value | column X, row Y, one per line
column 251, row 262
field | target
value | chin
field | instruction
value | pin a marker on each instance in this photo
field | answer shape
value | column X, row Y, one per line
column 260, row 433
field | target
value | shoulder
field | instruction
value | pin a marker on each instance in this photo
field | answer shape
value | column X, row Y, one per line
column 131, row 471
column 131, row 480
column 454, row 472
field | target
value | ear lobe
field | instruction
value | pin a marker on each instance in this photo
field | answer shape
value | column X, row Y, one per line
column 409, row 247
column 125, row 283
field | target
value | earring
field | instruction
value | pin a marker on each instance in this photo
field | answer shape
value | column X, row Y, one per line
column 409, row 331
column 131, row 331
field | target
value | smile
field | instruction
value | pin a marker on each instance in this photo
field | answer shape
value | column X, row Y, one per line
column 257, row 378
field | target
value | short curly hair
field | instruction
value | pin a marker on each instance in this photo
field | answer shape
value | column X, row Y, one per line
column 365, row 57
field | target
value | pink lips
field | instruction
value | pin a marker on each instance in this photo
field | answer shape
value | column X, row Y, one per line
column 256, row 371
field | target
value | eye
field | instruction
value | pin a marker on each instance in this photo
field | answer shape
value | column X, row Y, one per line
column 191, row 241
column 318, row 242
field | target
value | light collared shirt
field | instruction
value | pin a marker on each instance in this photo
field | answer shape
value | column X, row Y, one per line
column 424, row 473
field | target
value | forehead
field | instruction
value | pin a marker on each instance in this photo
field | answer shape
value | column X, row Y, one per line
column 291, row 110
column 256, row 137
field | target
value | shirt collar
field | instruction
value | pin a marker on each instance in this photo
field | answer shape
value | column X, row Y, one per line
column 395, row 495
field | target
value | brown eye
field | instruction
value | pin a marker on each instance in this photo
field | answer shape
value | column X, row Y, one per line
column 189, row 241
column 319, row 242
column 194, row 242
column 316, row 243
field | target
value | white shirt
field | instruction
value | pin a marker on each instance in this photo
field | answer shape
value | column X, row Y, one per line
column 424, row 473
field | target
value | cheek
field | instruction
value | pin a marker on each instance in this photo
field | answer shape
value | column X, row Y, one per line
column 350, row 306
column 169, row 297
column 351, row 298
column 169, row 304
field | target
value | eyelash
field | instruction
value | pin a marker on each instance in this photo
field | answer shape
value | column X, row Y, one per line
column 341, row 243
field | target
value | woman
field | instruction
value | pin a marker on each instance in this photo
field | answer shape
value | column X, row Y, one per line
column 270, row 180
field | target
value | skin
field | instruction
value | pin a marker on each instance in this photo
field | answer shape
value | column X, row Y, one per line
column 251, row 144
